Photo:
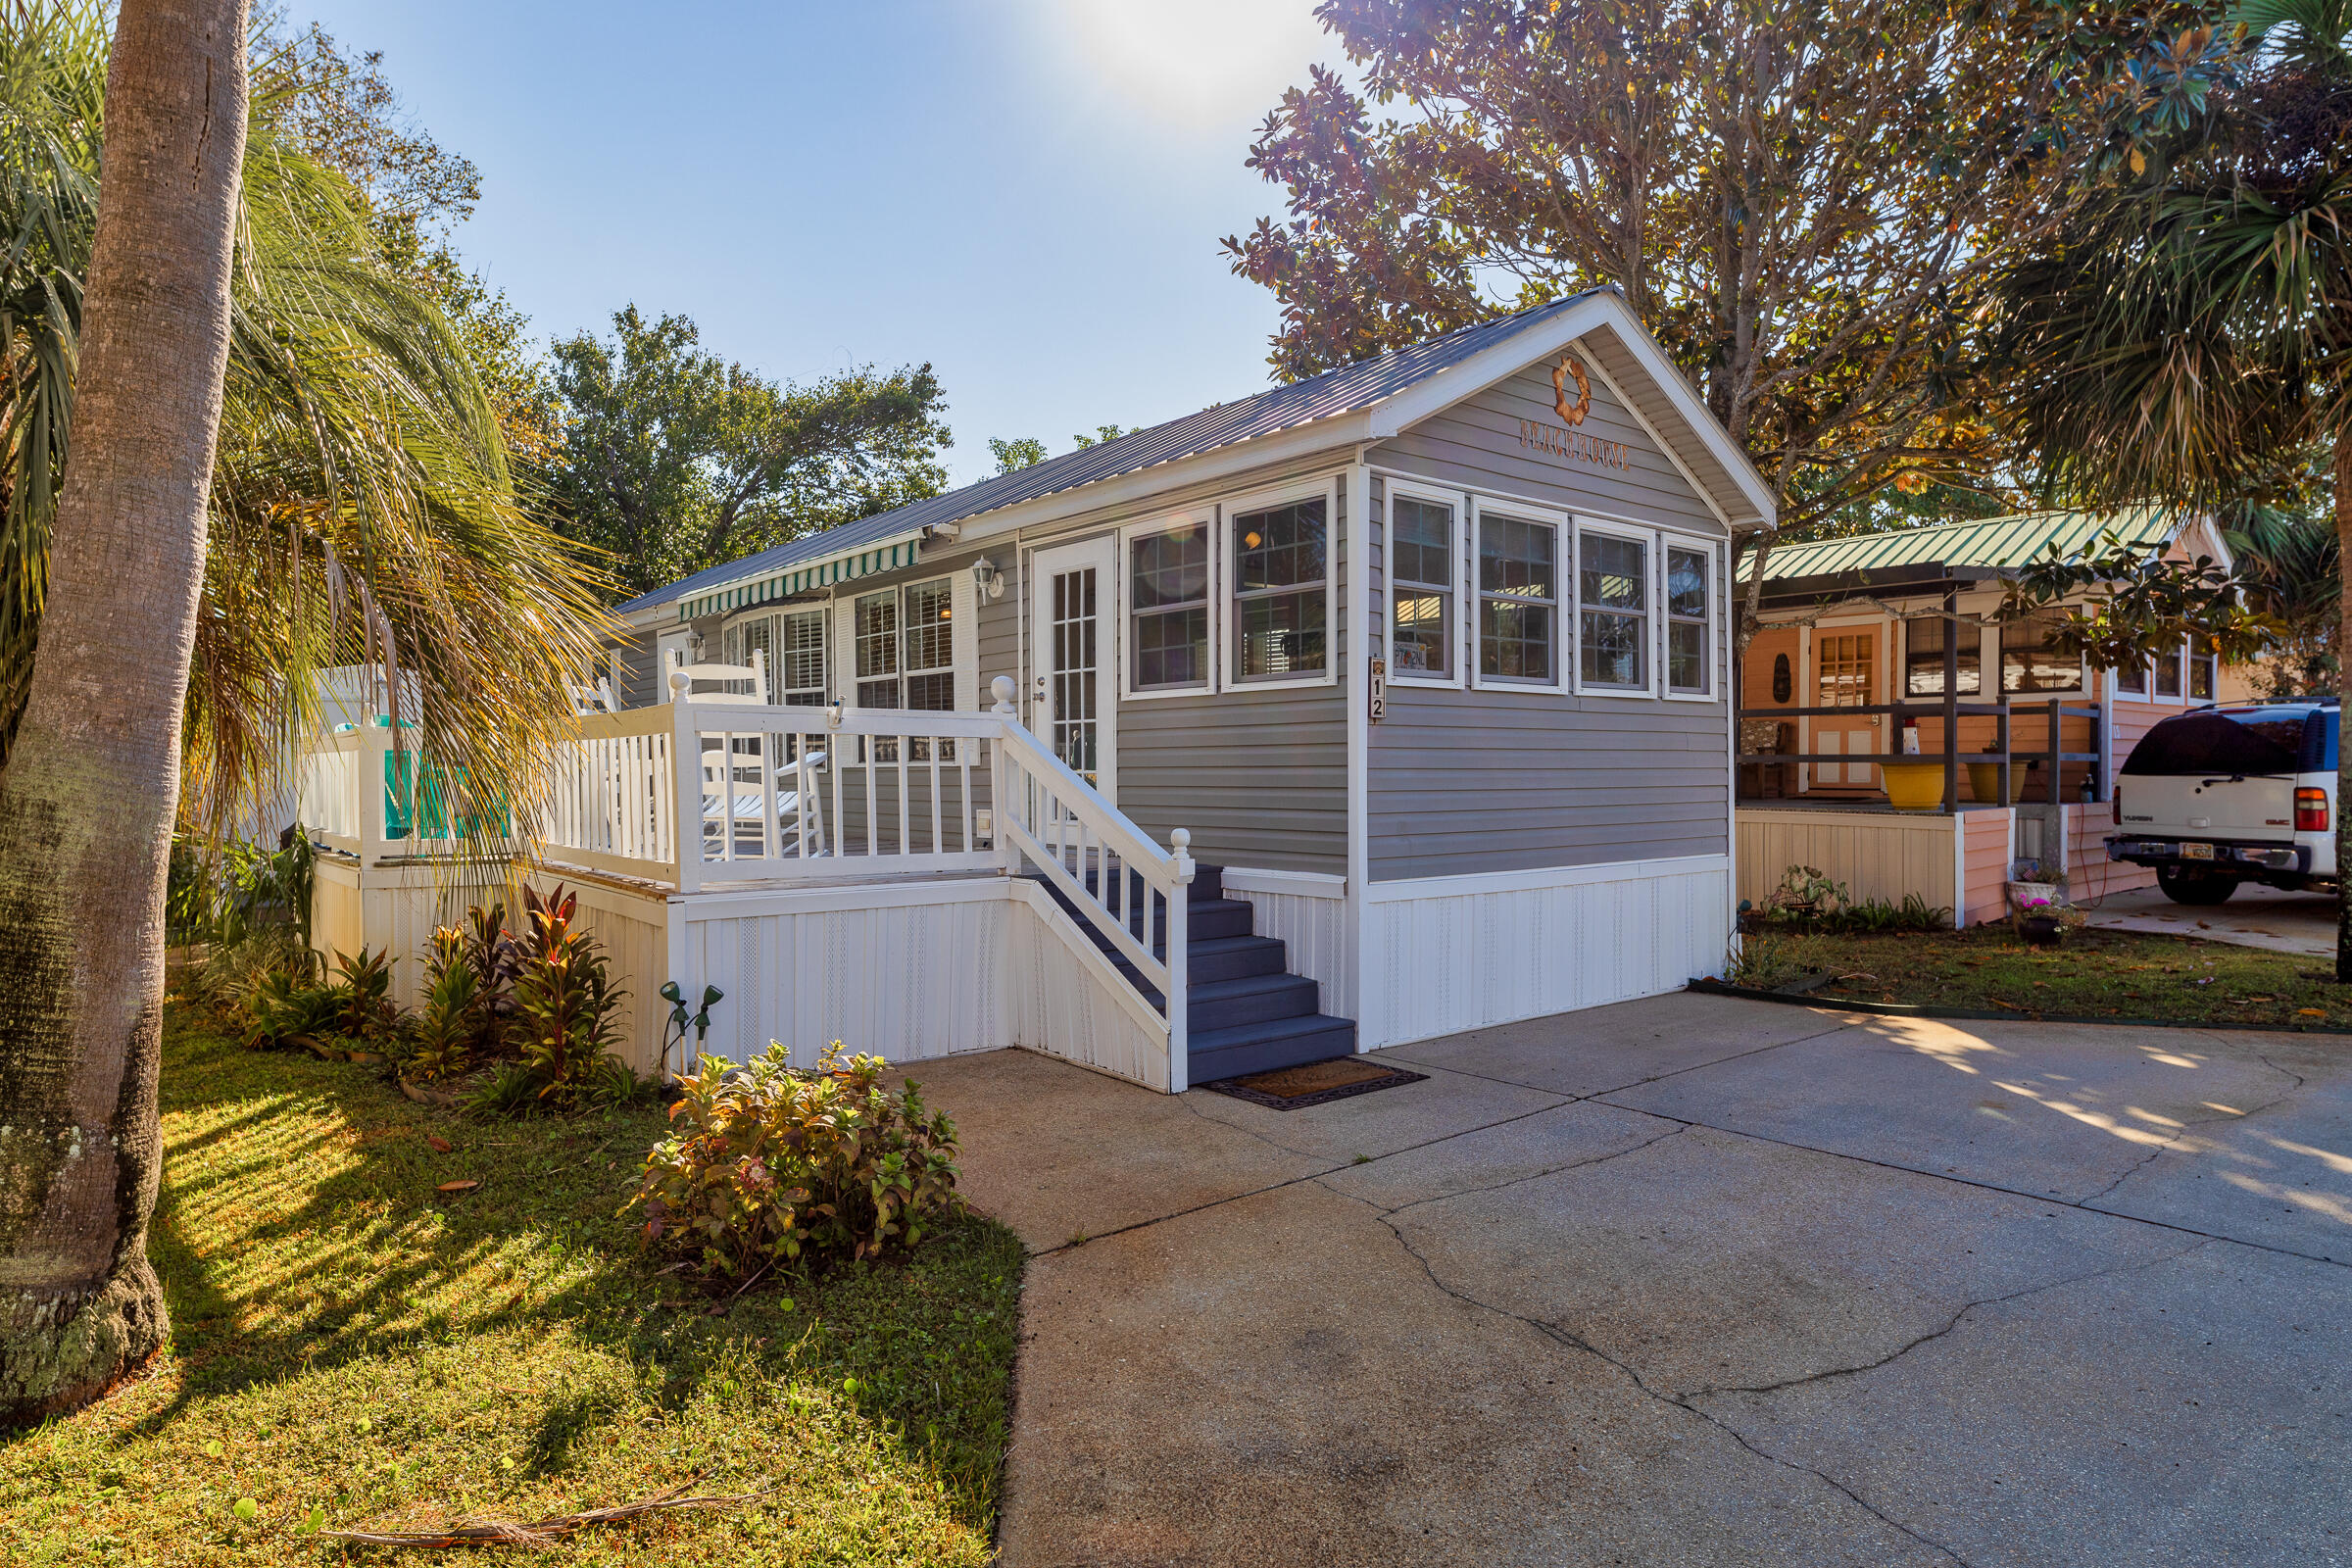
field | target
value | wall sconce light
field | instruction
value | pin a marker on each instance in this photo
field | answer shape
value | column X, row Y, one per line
column 987, row 579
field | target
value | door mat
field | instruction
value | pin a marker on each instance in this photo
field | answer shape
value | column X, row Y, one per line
column 1314, row 1084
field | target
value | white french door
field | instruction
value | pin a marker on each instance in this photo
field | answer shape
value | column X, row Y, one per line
column 1073, row 639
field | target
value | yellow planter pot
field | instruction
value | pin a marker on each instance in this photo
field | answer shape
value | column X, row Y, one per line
column 1914, row 786
column 1985, row 782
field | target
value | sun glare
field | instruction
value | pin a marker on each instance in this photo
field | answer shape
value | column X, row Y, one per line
column 1194, row 63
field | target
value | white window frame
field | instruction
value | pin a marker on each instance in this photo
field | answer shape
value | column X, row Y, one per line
column 1123, row 596
column 1464, row 602
column 2189, row 678
column 1563, row 529
column 2177, row 699
column 1226, row 577
column 1718, row 594
column 2147, row 684
column 964, row 644
column 1647, row 538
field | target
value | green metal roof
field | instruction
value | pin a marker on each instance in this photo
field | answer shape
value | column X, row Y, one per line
column 1990, row 544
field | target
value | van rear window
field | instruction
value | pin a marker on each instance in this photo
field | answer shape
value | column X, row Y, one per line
column 2248, row 741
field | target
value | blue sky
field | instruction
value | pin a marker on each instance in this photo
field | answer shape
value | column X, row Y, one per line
column 1026, row 193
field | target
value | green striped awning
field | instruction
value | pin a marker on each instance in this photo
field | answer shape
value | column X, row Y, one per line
column 799, row 579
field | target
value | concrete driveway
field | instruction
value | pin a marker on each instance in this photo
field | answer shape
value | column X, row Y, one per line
column 2254, row 917
column 1689, row 1281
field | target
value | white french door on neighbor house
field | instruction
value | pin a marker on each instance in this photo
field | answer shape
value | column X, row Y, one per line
column 1073, row 625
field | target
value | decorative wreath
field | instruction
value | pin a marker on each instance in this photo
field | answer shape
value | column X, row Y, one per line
column 1560, row 372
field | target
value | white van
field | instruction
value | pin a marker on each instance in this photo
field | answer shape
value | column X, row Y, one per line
column 2228, row 795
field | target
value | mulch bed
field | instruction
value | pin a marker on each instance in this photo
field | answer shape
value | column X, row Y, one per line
column 1317, row 1083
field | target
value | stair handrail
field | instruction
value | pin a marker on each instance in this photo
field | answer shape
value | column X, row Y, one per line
column 1024, row 761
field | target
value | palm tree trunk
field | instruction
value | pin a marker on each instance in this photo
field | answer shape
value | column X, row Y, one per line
column 87, row 801
column 2343, row 683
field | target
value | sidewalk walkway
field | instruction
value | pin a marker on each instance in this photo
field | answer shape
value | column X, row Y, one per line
column 2254, row 917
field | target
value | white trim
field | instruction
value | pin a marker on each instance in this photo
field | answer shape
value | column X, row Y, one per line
column 1204, row 517
column 1456, row 502
column 965, row 888
column 1633, row 412
column 1959, row 867
column 1228, row 662
column 1677, row 539
column 1556, row 876
column 1350, row 1004
column 1647, row 539
column 1297, row 884
column 964, row 629
column 1563, row 615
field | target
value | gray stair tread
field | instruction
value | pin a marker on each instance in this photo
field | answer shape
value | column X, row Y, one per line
column 1249, row 1034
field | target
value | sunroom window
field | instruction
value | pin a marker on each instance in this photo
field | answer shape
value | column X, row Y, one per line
column 1420, row 587
column 1280, row 559
column 1518, row 599
column 1167, row 597
column 1613, row 601
column 1689, row 625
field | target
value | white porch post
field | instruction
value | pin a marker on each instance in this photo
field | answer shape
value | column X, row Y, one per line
column 1180, row 921
column 1001, row 787
column 686, row 762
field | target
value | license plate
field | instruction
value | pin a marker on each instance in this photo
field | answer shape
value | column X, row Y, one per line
column 2197, row 852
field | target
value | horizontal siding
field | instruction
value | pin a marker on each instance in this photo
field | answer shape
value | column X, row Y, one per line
column 1508, row 780
column 1985, row 855
column 1476, row 445
column 1260, row 779
column 639, row 684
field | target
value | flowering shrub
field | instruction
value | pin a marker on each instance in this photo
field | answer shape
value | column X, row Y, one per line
column 781, row 1165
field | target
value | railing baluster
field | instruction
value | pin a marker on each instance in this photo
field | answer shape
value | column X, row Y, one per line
column 906, row 844
column 939, row 835
column 873, row 808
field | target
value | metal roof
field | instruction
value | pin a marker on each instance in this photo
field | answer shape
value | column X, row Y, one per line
column 839, row 554
column 1989, row 546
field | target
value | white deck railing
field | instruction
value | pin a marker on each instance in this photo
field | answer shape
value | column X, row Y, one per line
column 704, row 795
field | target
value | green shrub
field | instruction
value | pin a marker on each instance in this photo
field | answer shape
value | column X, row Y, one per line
column 1761, row 962
column 785, row 1166
column 512, row 1090
column 284, row 1011
column 441, row 1044
column 364, row 987
column 565, row 1009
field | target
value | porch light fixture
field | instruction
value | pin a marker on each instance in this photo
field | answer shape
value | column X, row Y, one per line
column 987, row 579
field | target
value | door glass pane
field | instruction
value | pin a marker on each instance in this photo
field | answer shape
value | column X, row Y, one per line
column 1074, row 641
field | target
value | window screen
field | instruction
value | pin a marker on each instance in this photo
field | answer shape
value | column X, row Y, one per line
column 1420, row 586
column 1279, row 562
column 2028, row 663
column 1687, row 619
column 1613, row 607
column 1518, row 598
column 1167, row 597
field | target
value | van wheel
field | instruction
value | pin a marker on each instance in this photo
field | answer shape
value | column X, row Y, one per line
column 2184, row 886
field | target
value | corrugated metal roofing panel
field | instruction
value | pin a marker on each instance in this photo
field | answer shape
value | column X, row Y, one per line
column 1993, row 543
column 1335, row 392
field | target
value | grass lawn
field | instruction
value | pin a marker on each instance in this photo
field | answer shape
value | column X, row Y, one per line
column 2091, row 974
column 348, row 1338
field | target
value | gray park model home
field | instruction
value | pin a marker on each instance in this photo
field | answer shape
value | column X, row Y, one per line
column 1409, row 683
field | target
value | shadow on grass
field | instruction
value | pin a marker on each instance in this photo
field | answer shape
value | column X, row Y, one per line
column 302, row 1228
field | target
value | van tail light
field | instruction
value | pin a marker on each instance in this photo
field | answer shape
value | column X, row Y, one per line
column 2311, row 810
column 2115, row 805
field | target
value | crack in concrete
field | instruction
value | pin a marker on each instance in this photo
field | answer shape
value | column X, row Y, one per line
column 1569, row 1340
column 2190, row 1126
column 1957, row 1318
column 1986, row 1186
column 1391, row 1052
column 1555, row 1170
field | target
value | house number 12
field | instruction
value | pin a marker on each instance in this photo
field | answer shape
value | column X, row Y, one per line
column 1379, row 688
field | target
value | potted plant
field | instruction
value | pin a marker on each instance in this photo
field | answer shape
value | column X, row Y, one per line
column 2030, row 882
column 1984, row 780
